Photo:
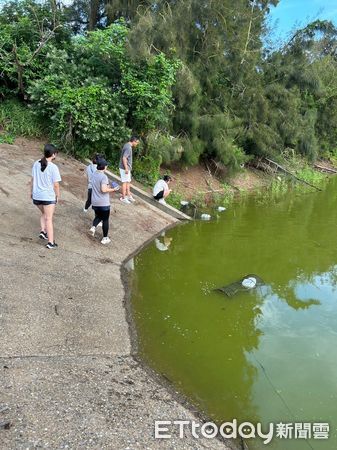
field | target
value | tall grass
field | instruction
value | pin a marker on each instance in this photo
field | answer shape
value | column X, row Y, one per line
column 17, row 119
column 311, row 176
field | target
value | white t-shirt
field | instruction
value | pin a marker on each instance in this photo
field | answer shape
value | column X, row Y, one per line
column 91, row 169
column 43, row 182
column 161, row 185
column 160, row 246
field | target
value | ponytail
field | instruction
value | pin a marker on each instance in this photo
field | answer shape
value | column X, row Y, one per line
column 44, row 163
column 49, row 150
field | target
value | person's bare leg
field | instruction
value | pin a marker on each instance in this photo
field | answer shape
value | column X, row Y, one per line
column 42, row 220
column 124, row 190
column 48, row 217
column 128, row 193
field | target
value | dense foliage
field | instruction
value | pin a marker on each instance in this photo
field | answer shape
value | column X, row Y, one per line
column 194, row 78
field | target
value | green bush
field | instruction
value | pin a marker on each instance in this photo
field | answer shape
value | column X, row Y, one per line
column 163, row 147
column 333, row 158
column 18, row 119
column 7, row 139
column 228, row 195
column 83, row 117
column 219, row 133
column 174, row 199
column 331, row 155
column 145, row 169
column 310, row 175
column 193, row 148
column 92, row 93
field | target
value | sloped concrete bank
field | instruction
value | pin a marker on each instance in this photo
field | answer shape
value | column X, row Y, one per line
column 68, row 375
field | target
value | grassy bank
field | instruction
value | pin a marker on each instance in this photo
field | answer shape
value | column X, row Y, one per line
column 198, row 185
column 18, row 120
column 263, row 186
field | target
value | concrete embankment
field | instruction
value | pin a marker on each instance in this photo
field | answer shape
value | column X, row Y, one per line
column 68, row 377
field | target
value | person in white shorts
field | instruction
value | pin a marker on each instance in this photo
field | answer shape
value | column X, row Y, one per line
column 125, row 167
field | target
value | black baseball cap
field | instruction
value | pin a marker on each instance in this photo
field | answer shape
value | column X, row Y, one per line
column 101, row 162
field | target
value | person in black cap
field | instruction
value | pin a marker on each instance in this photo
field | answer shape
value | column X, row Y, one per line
column 100, row 199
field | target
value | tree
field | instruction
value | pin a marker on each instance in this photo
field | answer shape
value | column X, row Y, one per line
column 93, row 94
column 27, row 28
column 194, row 74
column 220, row 45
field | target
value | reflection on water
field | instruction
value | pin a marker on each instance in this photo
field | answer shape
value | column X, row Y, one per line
column 163, row 242
column 265, row 355
column 297, row 355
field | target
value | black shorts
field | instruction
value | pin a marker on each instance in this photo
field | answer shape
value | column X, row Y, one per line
column 159, row 195
column 101, row 208
column 44, row 202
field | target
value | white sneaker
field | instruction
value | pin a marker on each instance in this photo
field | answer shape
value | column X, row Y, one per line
column 105, row 241
column 92, row 231
column 131, row 199
column 100, row 224
column 162, row 201
column 125, row 200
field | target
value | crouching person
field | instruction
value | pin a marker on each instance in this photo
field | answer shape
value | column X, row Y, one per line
column 161, row 189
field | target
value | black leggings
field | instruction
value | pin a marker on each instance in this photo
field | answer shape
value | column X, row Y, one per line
column 102, row 214
column 88, row 202
column 159, row 195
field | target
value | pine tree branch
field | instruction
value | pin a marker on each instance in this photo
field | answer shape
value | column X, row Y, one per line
column 248, row 33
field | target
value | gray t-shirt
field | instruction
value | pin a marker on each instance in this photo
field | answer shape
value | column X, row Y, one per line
column 99, row 198
column 126, row 153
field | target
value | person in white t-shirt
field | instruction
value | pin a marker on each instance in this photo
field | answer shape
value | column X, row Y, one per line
column 45, row 192
column 161, row 189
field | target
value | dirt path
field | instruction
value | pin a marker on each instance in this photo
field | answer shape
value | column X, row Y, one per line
column 68, row 379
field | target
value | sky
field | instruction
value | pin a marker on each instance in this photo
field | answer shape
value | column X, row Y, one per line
column 290, row 14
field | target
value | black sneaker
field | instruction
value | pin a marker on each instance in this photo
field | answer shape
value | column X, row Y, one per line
column 43, row 235
column 51, row 245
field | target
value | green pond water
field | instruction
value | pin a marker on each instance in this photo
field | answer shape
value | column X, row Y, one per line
column 267, row 355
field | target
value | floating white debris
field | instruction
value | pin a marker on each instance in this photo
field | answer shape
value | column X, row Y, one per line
column 221, row 208
column 249, row 283
column 184, row 203
column 205, row 216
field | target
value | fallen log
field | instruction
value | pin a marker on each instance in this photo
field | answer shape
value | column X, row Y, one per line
column 279, row 167
column 325, row 169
